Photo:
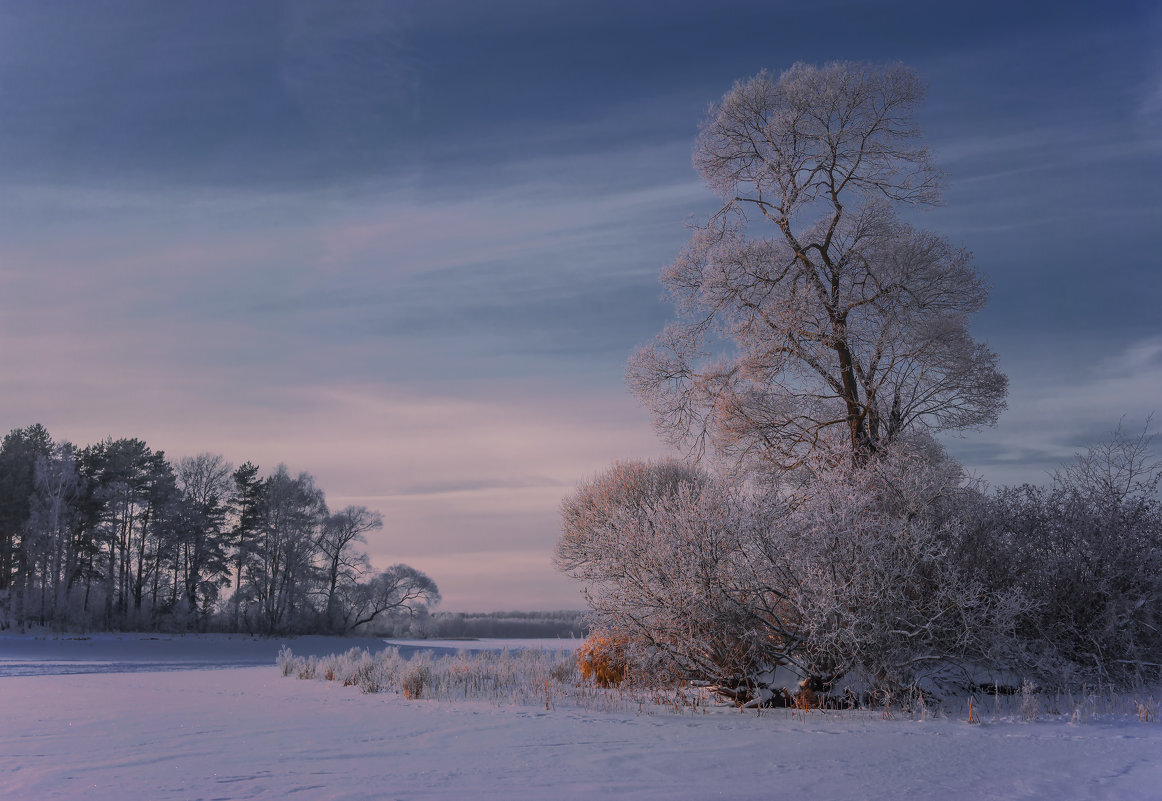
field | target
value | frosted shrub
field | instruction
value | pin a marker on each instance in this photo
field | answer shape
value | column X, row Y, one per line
column 838, row 573
column 658, row 545
column 416, row 678
column 365, row 676
column 528, row 676
column 355, row 667
column 373, row 674
column 564, row 671
column 328, row 667
column 342, row 667
column 306, row 668
column 285, row 661
column 289, row 664
column 1087, row 553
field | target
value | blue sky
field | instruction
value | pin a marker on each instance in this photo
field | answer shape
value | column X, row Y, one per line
column 408, row 246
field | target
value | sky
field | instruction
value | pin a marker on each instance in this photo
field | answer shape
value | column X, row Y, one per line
column 408, row 247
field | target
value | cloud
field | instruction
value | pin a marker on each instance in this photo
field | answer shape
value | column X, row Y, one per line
column 348, row 69
column 1059, row 407
column 407, row 246
column 387, row 287
column 472, row 486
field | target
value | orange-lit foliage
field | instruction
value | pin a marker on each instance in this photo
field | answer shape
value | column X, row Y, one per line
column 602, row 660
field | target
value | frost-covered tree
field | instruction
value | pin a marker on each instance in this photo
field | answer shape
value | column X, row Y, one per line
column 809, row 312
column 658, row 545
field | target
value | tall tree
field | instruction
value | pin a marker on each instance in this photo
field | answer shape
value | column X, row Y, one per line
column 133, row 490
column 18, row 454
column 205, row 482
column 283, row 570
column 249, row 500
column 809, row 311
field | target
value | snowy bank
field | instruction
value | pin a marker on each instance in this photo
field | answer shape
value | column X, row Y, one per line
column 248, row 732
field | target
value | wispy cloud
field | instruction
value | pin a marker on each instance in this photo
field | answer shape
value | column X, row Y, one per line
column 407, row 246
column 1063, row 405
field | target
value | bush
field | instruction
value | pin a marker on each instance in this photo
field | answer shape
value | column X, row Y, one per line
column 836, row 572
column 416, row 679
column 306, row 668
column 602, row 660
column 1087, row 553
column 564, row 672
column 286, row 661
column 880, row 579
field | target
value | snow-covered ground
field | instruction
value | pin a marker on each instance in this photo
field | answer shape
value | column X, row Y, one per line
column 201, row 722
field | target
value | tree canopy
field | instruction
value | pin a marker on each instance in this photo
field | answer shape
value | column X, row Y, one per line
column 808, row 309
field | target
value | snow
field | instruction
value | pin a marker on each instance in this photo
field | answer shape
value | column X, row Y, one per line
column 201, row 722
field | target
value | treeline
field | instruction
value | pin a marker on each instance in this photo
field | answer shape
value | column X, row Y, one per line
column 114, row 536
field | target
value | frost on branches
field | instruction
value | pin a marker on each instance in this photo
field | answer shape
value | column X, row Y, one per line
column 843, row 573
column 820, row 342
column 1088, row 551
column 867, row 582
column 807, row 308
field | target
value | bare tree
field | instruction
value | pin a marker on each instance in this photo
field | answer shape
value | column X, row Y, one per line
column 342, row 563
column 838, row 320
column 399, row 589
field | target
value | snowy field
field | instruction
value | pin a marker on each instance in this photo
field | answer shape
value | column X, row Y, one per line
column 212, row 718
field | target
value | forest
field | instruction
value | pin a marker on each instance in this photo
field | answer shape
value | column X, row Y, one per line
column 114, row 536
